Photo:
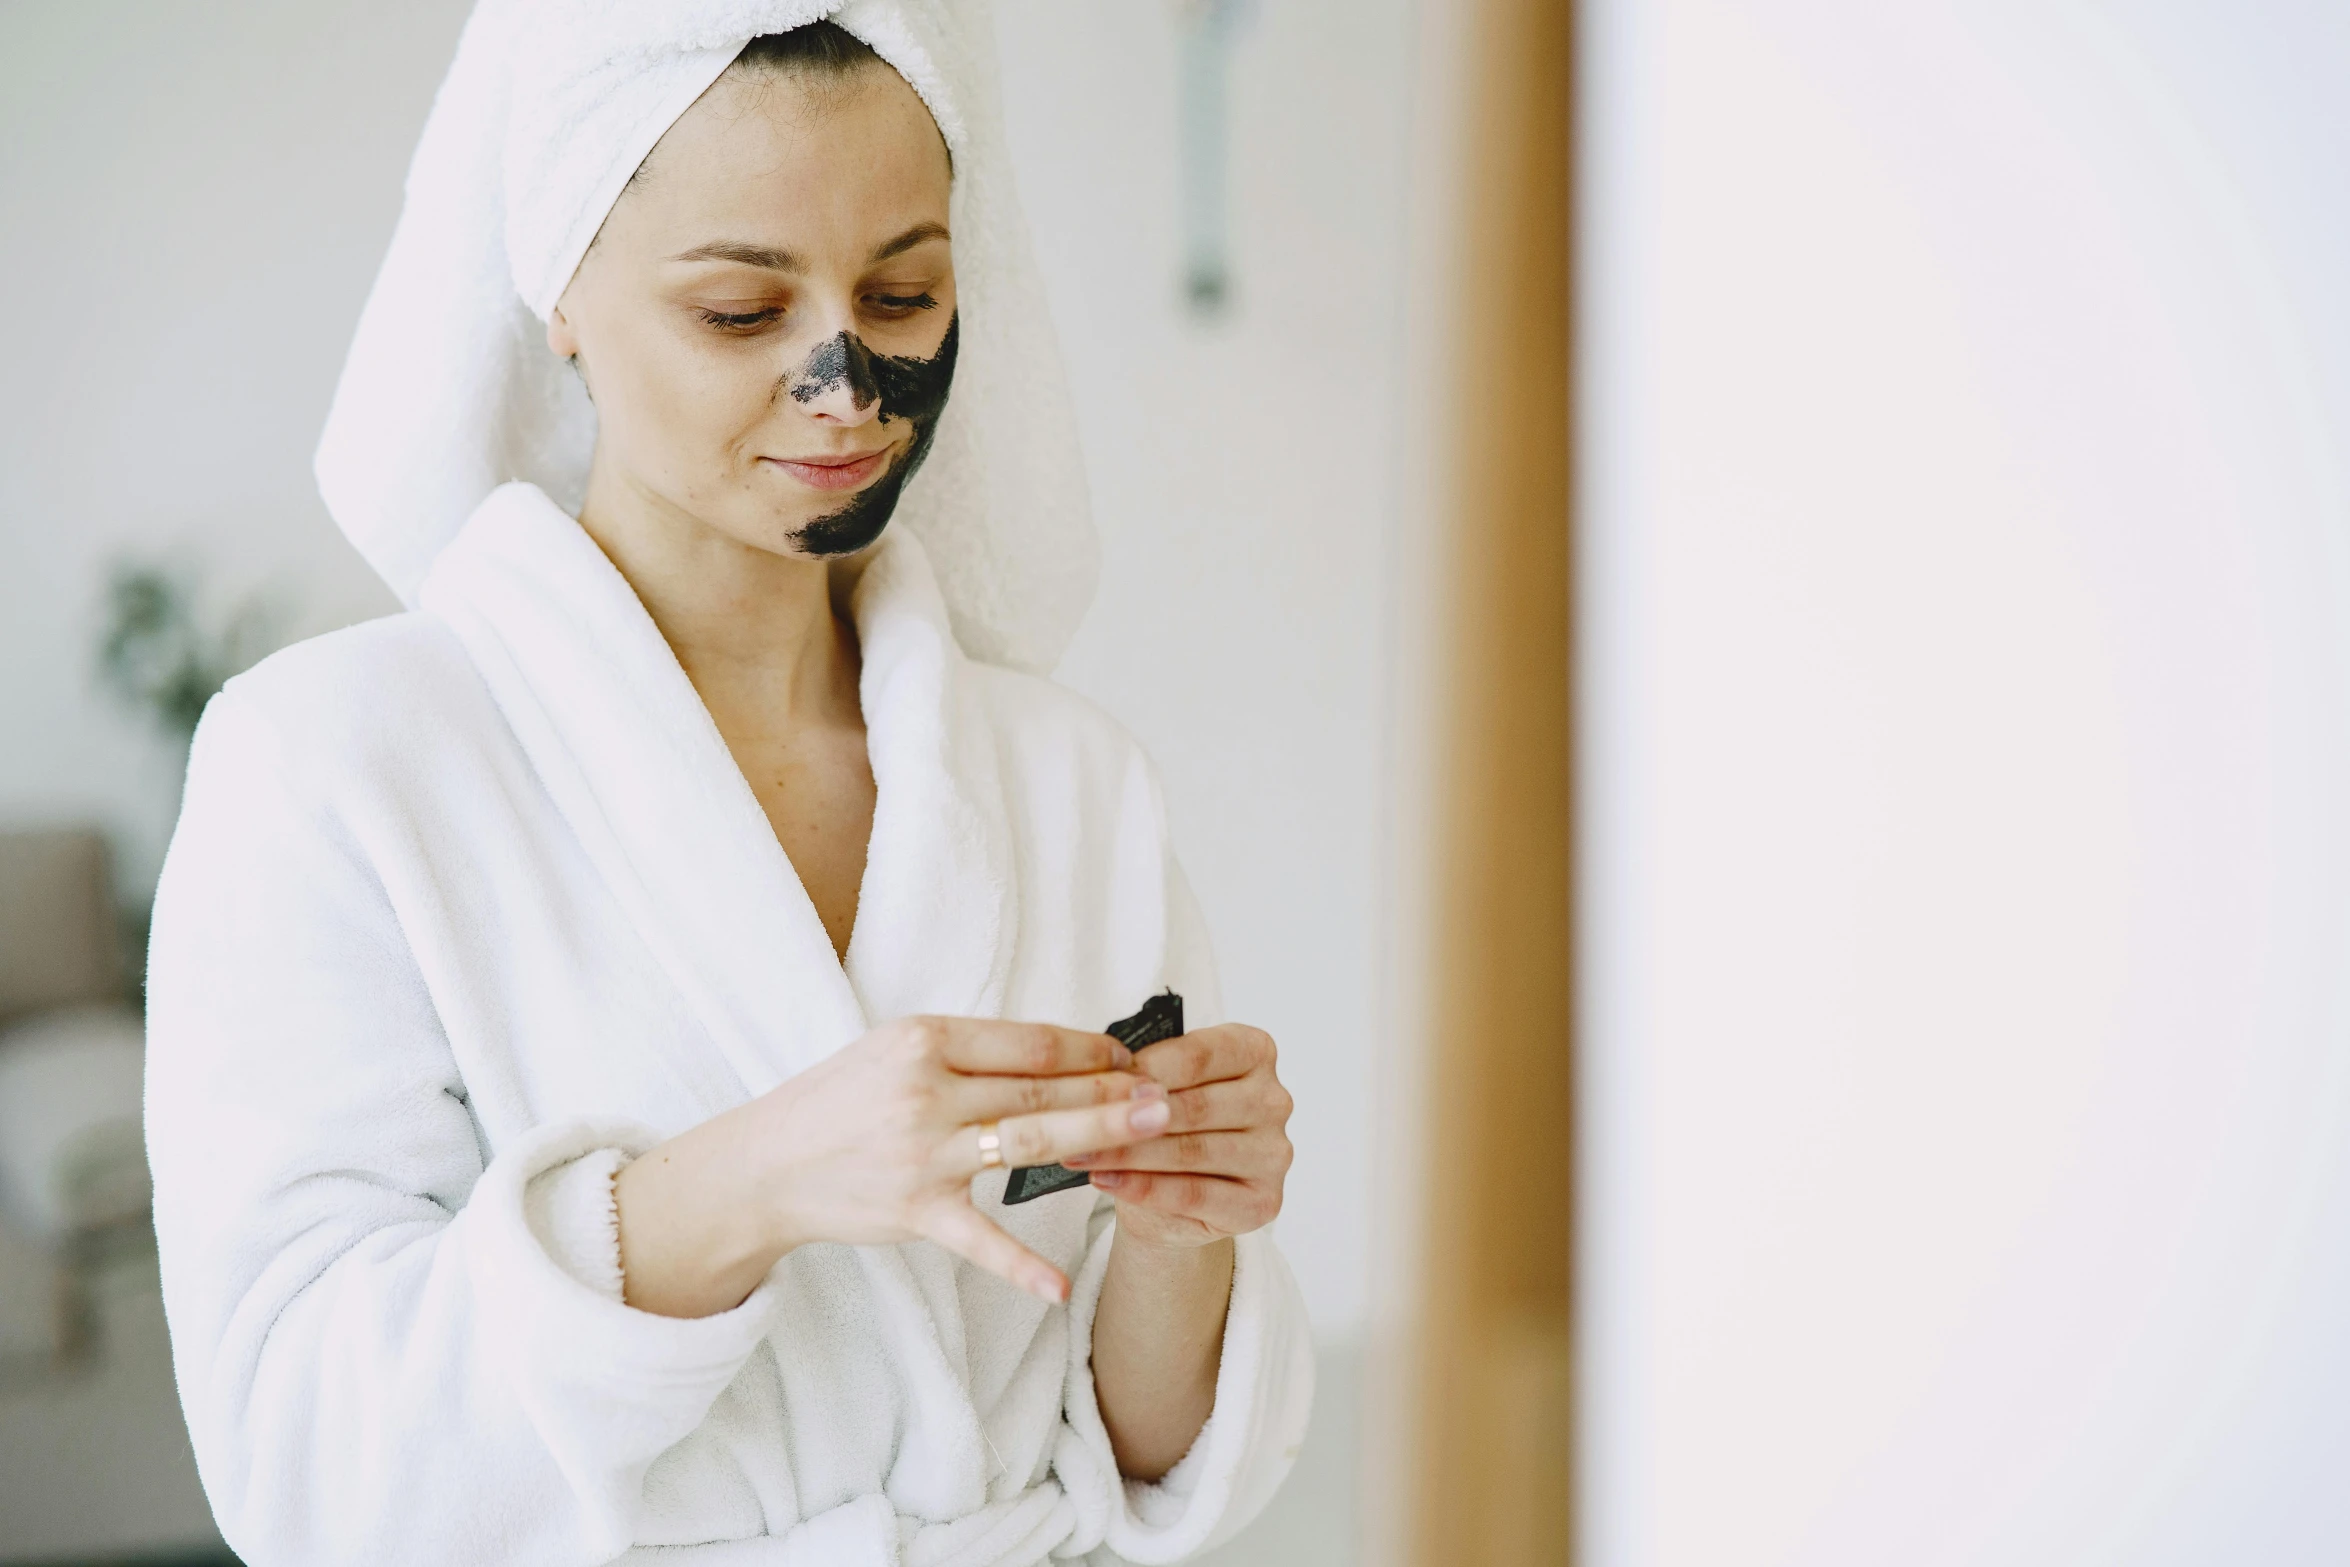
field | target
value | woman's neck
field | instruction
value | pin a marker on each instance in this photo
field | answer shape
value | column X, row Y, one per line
column 756, row 632
column 777, row 668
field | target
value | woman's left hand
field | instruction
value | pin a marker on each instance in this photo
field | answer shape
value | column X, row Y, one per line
column 1217, row 1170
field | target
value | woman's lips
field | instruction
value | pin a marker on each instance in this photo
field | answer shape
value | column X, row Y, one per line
column 825, row 473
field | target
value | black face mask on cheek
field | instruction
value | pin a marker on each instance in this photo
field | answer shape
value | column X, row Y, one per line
column 907, row 388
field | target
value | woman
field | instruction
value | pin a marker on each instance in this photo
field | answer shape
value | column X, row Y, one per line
column 579, row 1090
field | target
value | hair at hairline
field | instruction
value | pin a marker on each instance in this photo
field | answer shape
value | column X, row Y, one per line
column 820, row 49
column 823, row 51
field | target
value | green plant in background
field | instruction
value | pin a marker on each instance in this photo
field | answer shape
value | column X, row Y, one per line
column 165, row 656
column 161, row 655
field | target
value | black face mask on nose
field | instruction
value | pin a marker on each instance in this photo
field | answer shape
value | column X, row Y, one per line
column 906, row 388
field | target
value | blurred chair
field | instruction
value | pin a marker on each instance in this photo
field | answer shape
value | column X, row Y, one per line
column 73, row 1166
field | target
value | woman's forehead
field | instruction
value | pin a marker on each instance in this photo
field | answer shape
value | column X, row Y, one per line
column 776, row 162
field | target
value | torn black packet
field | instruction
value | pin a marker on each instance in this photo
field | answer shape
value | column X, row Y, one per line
column 1161, row 1017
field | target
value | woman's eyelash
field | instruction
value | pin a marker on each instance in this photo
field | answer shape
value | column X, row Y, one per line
column 749, row 320
column 738, row 322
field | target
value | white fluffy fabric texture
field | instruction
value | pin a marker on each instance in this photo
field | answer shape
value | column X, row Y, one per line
column 468, row 905
column 450, row 389
column 574, row 1213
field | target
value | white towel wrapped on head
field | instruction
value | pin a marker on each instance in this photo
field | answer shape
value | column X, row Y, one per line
column 551, row 105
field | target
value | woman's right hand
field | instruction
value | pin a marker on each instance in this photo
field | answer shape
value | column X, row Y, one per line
column 876, row 1144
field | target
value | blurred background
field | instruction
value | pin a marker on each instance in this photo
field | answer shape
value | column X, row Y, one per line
column 1949, row 797
column 1966, row 1067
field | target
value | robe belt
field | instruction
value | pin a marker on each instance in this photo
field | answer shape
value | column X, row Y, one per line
column 1020, row 1531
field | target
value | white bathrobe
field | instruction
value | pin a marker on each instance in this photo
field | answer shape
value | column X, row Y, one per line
column 469, row 904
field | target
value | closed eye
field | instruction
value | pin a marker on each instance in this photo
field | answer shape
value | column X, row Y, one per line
column 743, row 321
column 898, row 305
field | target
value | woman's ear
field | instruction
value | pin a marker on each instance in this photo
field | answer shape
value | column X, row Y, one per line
column 560, row 337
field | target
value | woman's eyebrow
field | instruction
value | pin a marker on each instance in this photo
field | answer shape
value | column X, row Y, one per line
column 790, row 261
column 747, row 255
column 919, row 234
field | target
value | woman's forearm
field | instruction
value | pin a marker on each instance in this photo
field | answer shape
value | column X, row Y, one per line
column 1158, row 1338
column 694, row 1238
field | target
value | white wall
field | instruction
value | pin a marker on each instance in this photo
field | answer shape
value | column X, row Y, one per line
column 1968, row 607
column 195, row 200
column 1244, row 479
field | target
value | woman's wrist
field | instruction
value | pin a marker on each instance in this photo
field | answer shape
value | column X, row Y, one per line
column 696, row 1233
column 1158, row 1264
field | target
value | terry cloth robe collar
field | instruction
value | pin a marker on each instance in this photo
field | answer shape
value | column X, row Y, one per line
column 623, row 743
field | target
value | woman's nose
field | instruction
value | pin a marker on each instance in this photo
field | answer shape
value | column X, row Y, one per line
column 835, row 383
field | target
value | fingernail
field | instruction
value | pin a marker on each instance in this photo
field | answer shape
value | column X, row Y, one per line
column 1148, row 1090
column 1076, row 1161
column 1150, row 1116
column 1108, row 1180
column 1049, row 1287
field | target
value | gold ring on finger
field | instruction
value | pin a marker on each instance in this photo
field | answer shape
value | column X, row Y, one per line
column 991, row 1147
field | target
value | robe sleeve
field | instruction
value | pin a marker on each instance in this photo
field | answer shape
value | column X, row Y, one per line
column 379, row 1358
column 574, row 1213
column 1264, row 1381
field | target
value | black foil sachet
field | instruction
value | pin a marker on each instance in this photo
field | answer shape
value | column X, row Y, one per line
column 1161, row 1017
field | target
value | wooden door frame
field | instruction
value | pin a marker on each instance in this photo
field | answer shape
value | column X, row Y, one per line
column 1472, row 1345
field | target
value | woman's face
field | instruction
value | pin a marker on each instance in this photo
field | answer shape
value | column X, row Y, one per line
column 767, row 320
